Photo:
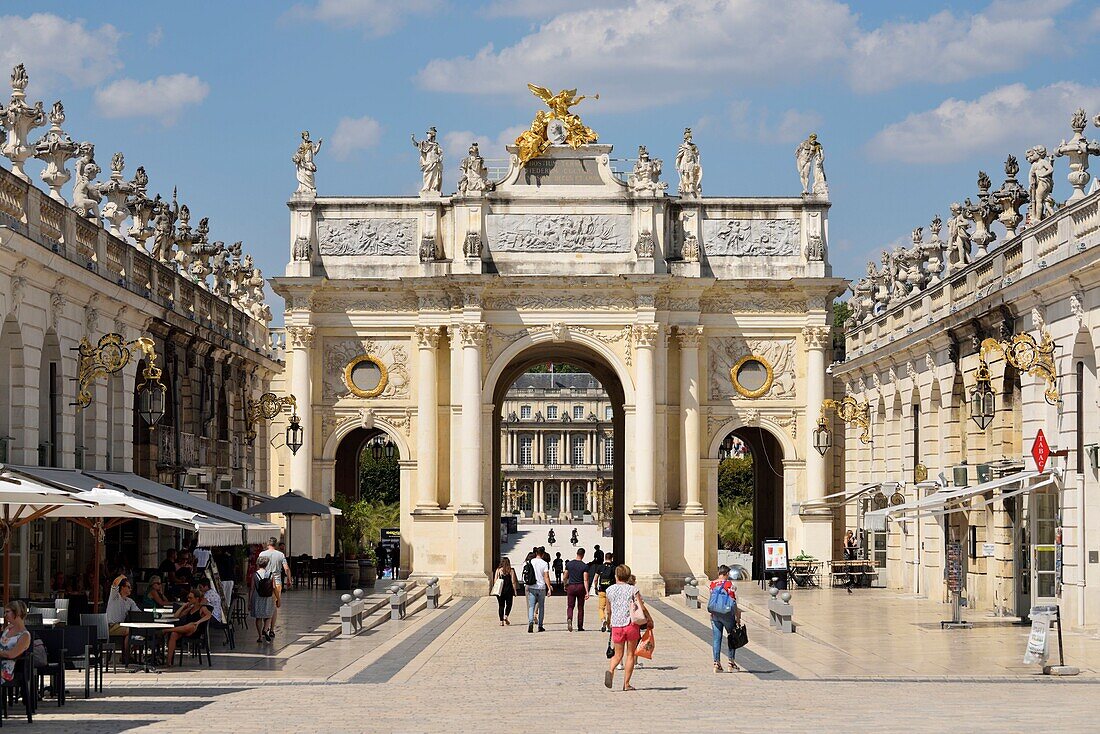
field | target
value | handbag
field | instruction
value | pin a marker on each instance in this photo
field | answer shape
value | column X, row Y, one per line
column 638, row 614
column 498, row 587
column 739, row 637
column 646, row 645
column 610, row 647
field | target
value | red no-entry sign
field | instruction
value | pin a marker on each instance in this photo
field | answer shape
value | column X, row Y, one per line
column 1040, row 450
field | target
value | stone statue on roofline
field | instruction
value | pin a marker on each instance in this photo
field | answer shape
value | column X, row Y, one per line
column 86, row 192
column 473, row 176
column 431, row 163
column 55, row 149
column 958, row 237
column 1040, row 184
column 305, row 168
column 689, row 166
column 645, row 179
column 810, row 155
column 18, row 119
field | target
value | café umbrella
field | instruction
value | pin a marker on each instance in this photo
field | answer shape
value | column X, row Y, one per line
column 25, row 501
column 289, row 504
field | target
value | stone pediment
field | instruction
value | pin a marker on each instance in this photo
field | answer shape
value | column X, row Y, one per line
column 563, row 171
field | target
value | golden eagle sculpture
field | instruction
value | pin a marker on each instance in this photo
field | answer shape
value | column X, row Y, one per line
column 559, row 126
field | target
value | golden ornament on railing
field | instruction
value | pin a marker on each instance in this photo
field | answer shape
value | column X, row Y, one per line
column 559, row 126
column 850, row 411
column 109, row 356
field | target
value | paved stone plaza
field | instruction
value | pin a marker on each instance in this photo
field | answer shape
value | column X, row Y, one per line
column 495, row 679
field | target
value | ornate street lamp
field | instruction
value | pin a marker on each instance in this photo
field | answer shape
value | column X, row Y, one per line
column 294, row 434
column 1024, row 354
column 725, row 451
column 267, row 407
column 111, row 355
column 848, row 410
column 380, row 445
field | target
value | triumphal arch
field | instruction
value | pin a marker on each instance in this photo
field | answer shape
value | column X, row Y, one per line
column 411, row 316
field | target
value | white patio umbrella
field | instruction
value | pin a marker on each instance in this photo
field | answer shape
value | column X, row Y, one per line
column 24, row 501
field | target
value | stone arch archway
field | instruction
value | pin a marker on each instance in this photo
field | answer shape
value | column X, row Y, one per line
column 596, row 358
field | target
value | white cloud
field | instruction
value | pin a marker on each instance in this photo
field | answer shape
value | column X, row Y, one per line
column 950, row 48
column 1008, row 119
column 162, row 98
column 354, row 134
column 649, row 52
column 57, row 50
column 759, row 125
column 656, row 51
column 536, row 9
column 373, row 17
column 155, row 37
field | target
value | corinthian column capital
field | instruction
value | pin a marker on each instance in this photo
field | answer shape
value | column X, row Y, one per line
column 300, row 337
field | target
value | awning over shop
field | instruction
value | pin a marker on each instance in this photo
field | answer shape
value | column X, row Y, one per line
column 950, row 500
column 254, row 496
column 220, row 525
column 839, row 498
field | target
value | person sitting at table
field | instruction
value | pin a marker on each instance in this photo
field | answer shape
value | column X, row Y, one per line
column 15, row 639
column 155, row 594
column 183, row 583
column 119, row 604
column 168, row 565
column 192, row 615
column 60, row 586
column 212, row 597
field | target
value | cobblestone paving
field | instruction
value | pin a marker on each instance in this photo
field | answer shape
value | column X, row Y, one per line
column 478, row 676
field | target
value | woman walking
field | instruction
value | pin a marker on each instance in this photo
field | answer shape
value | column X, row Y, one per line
column 622, row 597
column 509, row 587
column 261, row 602
column 725, row 616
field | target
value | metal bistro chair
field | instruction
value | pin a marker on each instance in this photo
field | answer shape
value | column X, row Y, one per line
column 20, row 684
column 104, row 648
column 80, row 651
column 196, row 644
column 54, row 641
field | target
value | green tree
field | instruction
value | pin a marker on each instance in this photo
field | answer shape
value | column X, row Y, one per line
column 360, row 525
column 735, row 528
column 379, row 479
column 736, row 480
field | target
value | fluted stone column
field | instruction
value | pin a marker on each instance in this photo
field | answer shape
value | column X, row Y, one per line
column 646, row 337
column 690, row 337
column 816, row 337
column 473, row 339
column 427, row 419
column 300, row 341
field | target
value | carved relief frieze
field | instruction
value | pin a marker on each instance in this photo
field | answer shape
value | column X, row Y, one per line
column 752, row 417
column 500, row 340
column 366, row 418
column 338, row 353
column 373, row 237
column 574, row 301
column 726, row 351
column 752, row 237
column 381, row 302
column 600, row 233
column 759, row 303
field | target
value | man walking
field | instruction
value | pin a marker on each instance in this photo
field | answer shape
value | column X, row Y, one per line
column 576, row 589
column 536, row 578
column 597, row 556
column 280, row 575
column 605, row 577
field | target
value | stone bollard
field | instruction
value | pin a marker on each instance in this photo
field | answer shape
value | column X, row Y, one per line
column 691, row 593
column 780, row 610
column 351, row 613
column 398, row 599
column 432, row 593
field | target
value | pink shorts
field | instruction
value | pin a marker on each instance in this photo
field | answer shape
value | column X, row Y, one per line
column 629, row 633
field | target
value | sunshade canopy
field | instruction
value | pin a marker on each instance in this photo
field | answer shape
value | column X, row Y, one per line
column 292, row 503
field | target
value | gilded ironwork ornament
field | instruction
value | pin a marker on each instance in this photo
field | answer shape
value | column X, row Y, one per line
column 559, row 126
column 267, row 407
column 109, row 356
column 850, row 411
column 1026, row 355
column 752, row 376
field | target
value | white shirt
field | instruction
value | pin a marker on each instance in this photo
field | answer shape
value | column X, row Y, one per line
column 275, row 562
column 541, row 569
column 118, row 607
column 211, row 597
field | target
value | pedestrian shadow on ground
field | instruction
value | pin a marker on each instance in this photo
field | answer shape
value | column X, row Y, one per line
column 663, row 688
column 660, row 667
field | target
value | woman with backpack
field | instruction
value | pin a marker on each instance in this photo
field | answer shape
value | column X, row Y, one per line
column 725, row 617
column 261, row 604
column 505, row 588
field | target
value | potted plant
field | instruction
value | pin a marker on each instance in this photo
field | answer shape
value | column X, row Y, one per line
column 368, row 574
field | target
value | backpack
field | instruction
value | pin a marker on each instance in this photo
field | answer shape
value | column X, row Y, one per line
column 265, row 587
column 720, row 601
column 529, row 575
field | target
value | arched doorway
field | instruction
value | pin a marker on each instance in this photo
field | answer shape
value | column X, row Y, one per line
column 604, row 458
column 367, row 488
column 751, row 468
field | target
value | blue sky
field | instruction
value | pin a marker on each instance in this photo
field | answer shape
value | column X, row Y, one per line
column 909, row 99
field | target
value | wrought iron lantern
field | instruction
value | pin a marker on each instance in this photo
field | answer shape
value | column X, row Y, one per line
column 266, row 408
column 725, row 451
column 848, row 410
column 380, row 446
column 823, row 437
column 110, row 355
column 1025, row 355
column 294, row 434
column 983, row 401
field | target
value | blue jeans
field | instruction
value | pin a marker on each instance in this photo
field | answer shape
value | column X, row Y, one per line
column 536, row 596
column 719, row 626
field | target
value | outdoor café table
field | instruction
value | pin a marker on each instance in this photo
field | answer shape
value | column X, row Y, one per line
column 155, row 628
column 804, row 573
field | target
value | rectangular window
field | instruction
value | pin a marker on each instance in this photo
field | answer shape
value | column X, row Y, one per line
column 551, row 412
column 578, row 450
column 608, row 413
column 551, row 450
column 525, row 450
column 578, row 412
column 525, row 412
column 608, row 450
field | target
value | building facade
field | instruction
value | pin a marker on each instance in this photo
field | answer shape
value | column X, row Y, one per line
column 412, row 317
column 558, row 447
column 973, row 512
column 71, row 272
